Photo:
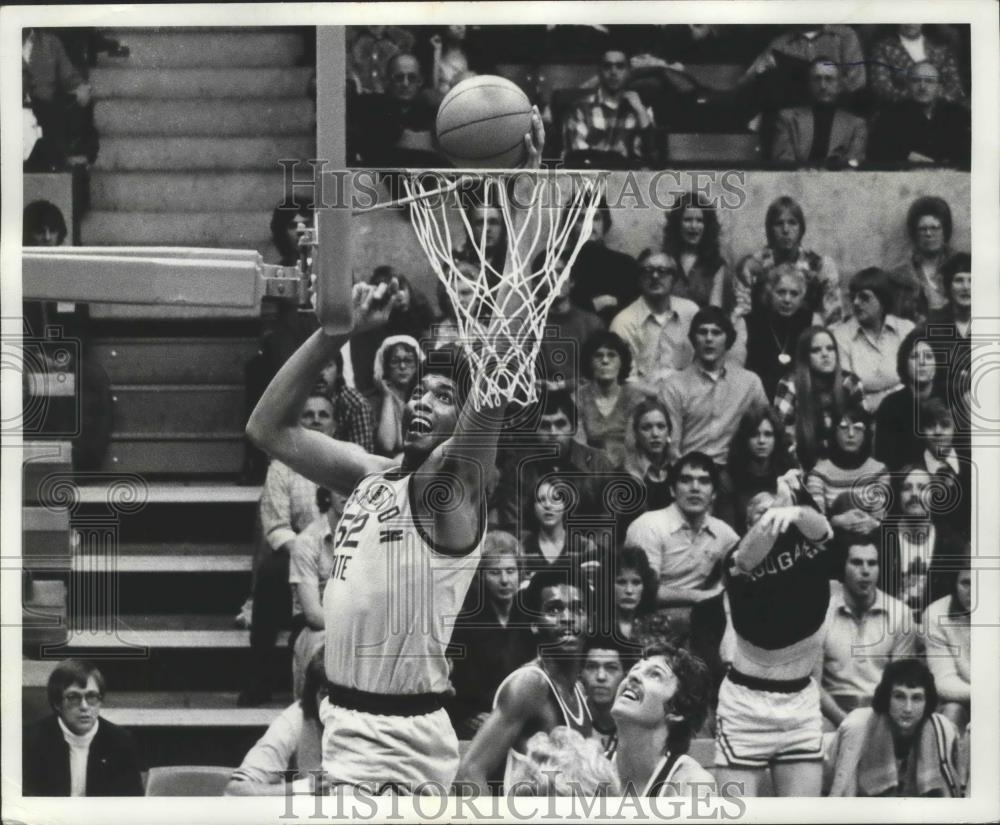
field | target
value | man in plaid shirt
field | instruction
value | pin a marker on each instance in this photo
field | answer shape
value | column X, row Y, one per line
column 612, row 119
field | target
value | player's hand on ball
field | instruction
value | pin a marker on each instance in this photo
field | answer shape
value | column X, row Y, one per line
column 534, row 141
column 778, row 519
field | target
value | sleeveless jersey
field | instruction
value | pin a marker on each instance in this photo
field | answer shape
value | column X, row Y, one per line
column 580, row 722
column 393, row 596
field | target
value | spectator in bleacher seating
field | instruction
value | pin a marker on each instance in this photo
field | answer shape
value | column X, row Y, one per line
column 582, row 466
column 691, row 237
column 75, row 752
column 811, row 399
column 613, row 120
column 661, row 703
column 60, row 100
column 948, row 648
column 604, row 664
column 707, row 399
column 450, row 61
column 923, row 127
column 758, row 457
column 309, row 568
column 352, row 414
column 292, row 742
column 560, row 358
column 897, row 432
column 870, row 340
column 785, row 226
column 951, row 473
column 369, row 51
column 848, row 466
column 655, row 325
column 918, row 285
column 491, row 639
column 605, row 281
column 394, row 129
column 686, row 546
column 289, row 222
column 44, row 224
column 647, row 451
column 894, row 55
column 899, row 747
column 445, row 329
column 604, row 401
column 919, row 554
column 776, row 324
column 285, row 327
column 288, row 504
column 546, row 535
column 953, row 322
column 486, row 238
column 864, row 630
column 789, row 53
column 821, row 133
column 630, row 585
column 397, row 362
column 411, row 315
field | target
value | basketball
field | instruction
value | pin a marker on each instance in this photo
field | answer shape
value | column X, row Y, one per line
column 481, row 123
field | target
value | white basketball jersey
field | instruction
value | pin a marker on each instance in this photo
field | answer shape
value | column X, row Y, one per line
column 392, row 599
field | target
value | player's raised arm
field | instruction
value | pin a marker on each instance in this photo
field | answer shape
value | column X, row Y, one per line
column 274, row 423
column 517, row 706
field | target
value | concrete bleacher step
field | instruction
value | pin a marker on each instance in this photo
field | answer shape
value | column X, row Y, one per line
column 193, row 48
column 172, row 631
column 173, row 408
column 255, row 117
column 178, row 493
column 178, row 190
column 221, row 229
column 204, row 83
column 126, row 562
column 209, row 153
column 177, row 454
column 180, row 360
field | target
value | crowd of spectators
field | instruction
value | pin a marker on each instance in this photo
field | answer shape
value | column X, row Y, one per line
column 831, row 96
column 701, row 384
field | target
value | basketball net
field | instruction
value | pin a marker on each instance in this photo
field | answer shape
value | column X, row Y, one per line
column 503, row 350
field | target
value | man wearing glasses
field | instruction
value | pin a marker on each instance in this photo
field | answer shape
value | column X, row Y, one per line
column 655, row 325
column 612, row 120
column 393, row 129
column 74, row 752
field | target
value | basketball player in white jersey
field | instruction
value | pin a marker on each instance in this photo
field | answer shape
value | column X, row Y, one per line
column 540, row 695
column 405, row 551
column 659, row 706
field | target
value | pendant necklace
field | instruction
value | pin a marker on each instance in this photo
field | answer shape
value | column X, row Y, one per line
column 783, row 357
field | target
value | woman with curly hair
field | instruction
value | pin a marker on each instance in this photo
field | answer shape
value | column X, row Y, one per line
column 811, row 399
column 785, row 226
column 691, row 237
column 918, row 284
column 604, row 401
column 630, row 590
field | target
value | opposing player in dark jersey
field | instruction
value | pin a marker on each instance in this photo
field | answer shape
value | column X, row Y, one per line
column 777, row 579
column 405, row 551
column 540, row 695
